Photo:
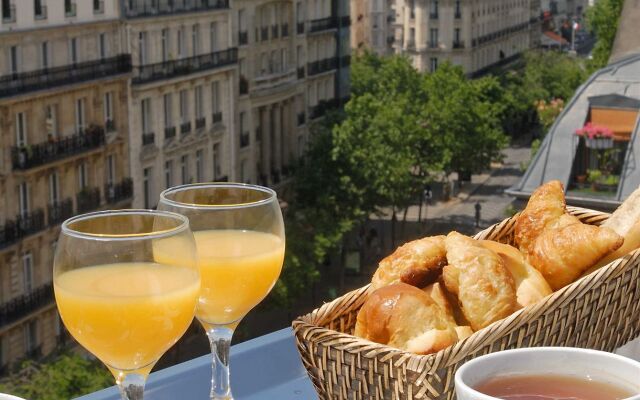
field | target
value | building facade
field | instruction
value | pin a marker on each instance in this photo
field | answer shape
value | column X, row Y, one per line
column 64, row 129
column 473, row 34
column 373, row 25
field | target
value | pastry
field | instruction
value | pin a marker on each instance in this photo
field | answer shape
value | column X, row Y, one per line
column 417, row 263
column 478, row 277
column 438, row 293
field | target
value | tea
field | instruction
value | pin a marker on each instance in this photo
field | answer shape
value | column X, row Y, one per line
column 550, row 387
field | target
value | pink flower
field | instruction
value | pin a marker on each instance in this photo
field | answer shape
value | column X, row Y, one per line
column 594, row 131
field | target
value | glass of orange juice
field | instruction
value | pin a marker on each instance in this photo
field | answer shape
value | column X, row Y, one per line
column 118, row 296
column 239, row 234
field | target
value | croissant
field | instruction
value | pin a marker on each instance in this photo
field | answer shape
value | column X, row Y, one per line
column 407, row 318
column 437, row 292
column 558, row 244
column 477, row 276
column 417, row 263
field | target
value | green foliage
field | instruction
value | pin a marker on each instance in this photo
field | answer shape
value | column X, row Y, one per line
column 603, row 18
column 67, row 376
column 594, row 175
column 552, row 75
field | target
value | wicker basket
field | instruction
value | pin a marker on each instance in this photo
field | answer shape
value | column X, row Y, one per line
column 600, row 311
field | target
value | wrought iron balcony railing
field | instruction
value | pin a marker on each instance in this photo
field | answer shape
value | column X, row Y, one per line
column 24, row 225
column 14, row 84
column 26, row 304
column 148, row 138
column 25, row 157
column 185, row 128
column 149, row 8
column 59, row 211
column 184, row 66
column 88, row 199
column 118, row 192
column 502, row 33
column 201, row 123
column 323, row 24
column 169, row 132
column 320, row 66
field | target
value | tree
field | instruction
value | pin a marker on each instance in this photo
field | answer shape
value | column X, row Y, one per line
column 603, row 18
column 67, row 376
column 552, row 75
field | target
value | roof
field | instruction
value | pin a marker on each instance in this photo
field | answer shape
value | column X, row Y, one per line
column 627, row 41
column 555, row 158
column 614, row 100
column 555, row 37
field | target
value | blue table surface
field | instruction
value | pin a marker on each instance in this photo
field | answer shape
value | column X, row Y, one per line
column 268, row 367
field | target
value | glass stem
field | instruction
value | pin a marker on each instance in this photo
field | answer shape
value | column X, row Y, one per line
column 220, row 340
column 132, row 386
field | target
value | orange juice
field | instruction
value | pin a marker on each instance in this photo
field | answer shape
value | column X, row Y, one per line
column 238, row 269
column 127, row 314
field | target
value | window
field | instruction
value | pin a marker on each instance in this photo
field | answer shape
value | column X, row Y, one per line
column 97, row 6
column 51, row 120
column 168, row 110
column 168, row 173
column 14, row 54
column 165, row 45
column 184, row 106
column 82, row 175
column 54, row 193
column 198, row 102
column 199, row 161
column 181, row 44
column 433, row 37
column 244, row 176
column 23, row 189
column 44, row 55
column 434, row 9
column 146, row 187
column 38, row 9
column 300, row 146
column 27, row 272
column 142, row 48
column 195, row 39
column 31, row 336
column 215, row 96
column 184, row 169
column 456, row 36
column 458, row 11
column 73, row 50
column 213, row 36
column 80, row 116
column 21, row 129
column 108, row 107
column 217, row 170
column 145, row 107
column 283, row 59
column 111, row 169
column 433, row 64
column 243, row 121
column 299, row 13
column 102, row 45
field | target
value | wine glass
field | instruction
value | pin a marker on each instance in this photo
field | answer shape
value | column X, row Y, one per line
column 240, row 241
column 119, row 294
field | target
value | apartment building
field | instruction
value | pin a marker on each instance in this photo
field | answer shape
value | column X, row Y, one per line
column 183, row 93
column 373, row 25
column 473, row 34
column 64, row 130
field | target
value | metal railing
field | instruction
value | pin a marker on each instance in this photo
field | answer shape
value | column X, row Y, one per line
column 147, row 8
column 10, row 16
column 59, row 211
column 433, row 15
column 184, row 66
column 244, row 139
column 320, row 66
column 21, row 306
column 501, row 33
column 14, row 84
column 169, row 132
column 458, row 45
column 23, row 225
column 88, row 199
column 118, row 192
column 201, row 123
column 25, row 157
column 323, row 24
column 148, row 138
column 216, row 117
column 185, row 128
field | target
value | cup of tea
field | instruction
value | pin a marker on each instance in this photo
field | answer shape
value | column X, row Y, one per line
column 540, row 373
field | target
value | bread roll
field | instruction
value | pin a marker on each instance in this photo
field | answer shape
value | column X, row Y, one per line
column 405, row 317
column 477, row 276
column 417, row 263
column 530, row 284
column 438, row 293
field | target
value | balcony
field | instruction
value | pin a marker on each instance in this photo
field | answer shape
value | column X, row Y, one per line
column 201, row 123
column 59, row 211
column 323, row 106
column 300, row 72
column 185, row 128
column 169, row 132
column 148, row 138
column 110, row 125
column 216, row 118
column 244, row 139
column 88, row 199
column 301, row 119
column 285, row 30
column 25, row 157
column 432, row 44
column 243, row 38
column 119, row 192
column 9, row 17
column 264, row 33
column 323, row 24
column 300, row 28
column 345, row 21
column 24, row 305
column 184, row 66
column 24, row 225
column 40, row 11
column 150, row 8
column 69, row 9
column 98, row 6
column 320, row 66
column 16, row 84
column 502, row 33
column 458, row 45
column 244, row 85
column 274, row 80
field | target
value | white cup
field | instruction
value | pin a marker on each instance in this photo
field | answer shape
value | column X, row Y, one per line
column 602, row 366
